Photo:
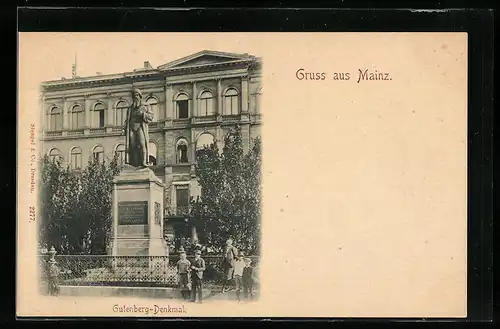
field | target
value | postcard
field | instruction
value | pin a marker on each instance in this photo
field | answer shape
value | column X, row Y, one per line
column 242, row 175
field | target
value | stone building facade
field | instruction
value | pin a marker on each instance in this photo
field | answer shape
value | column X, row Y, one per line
column 196, row 100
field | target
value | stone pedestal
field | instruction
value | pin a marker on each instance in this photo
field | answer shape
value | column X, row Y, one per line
column 138, row 214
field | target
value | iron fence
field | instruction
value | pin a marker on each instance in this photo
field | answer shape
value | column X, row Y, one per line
column 105, row 270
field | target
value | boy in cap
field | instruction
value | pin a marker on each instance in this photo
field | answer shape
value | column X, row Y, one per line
column 239, row 265
column 183, row 266
column 197, row 269
column 248, row 279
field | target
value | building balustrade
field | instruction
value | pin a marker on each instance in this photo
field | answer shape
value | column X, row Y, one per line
column 178, row 211
column 100, row 130
column 53, row 133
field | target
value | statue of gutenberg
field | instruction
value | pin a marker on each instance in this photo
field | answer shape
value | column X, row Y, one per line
column 136, row 131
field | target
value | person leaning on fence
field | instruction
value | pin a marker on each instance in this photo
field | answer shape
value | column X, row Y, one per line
column 230, row 255
column 53, row 278
column 239, row 265
column 197, row 269
column 183, row 267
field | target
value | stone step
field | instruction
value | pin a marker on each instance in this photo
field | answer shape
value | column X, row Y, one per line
column 132, row 243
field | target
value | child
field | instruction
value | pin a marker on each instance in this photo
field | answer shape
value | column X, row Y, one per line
column 239, row 265
column 197, row 269
column 248, row 279
column 53, row 278
column 183, row 266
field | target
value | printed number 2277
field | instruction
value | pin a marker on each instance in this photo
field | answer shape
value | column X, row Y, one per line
column 32, row 214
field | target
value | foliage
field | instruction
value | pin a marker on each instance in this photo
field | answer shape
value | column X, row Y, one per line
column 230, row 194
column 76, row 206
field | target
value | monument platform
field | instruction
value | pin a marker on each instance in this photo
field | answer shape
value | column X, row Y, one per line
column 138, row 214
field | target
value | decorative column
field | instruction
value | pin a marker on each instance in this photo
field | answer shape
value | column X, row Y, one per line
column 219, row 98
column 168, row 102
column 88, row 119
column 109, row 118
column 194, row 113
column 65, row 115
column 244, row 94
column 193, row 147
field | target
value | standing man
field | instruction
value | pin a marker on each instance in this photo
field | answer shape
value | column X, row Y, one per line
column 230, row 255
column 197, row 268
column 137, row 132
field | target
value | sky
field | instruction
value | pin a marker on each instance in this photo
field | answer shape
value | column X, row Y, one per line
column 111, row 53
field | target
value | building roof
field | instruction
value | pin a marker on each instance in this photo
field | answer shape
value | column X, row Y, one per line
column 202, row 59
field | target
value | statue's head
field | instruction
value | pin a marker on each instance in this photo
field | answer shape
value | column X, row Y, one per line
column 136, row 94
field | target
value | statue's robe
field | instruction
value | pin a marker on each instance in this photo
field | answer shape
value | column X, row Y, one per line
column 147, row 117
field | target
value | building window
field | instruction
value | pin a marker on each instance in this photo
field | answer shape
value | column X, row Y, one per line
column 152, row 156
column 206, row 104
column 54, row 155
column 120, row 154
column 152, row 102
column 121, row 113
column 55, row 118
column 231, row 102
column 77, row 117
column 182, row 199
column 98, row 154
column 205, row 139
column 76, row 158
column 98, row 115
column 182, row 151
column 182, row 103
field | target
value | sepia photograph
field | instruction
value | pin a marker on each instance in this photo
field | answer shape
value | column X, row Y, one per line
column 149, row 179
column 157, row 179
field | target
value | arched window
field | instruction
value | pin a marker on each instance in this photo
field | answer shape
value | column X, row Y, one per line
column 182, row 151
column 152, row 102
column 182, row 104
column 205, row 139
column 121, row 113
column 152, row 156
column 120, row 152
column 54, row 155
column 98, row 115
column 98, row 154
column 206, row 103
column 76, row 158
column 231, row 104
column 55, row 118
column 77, row 117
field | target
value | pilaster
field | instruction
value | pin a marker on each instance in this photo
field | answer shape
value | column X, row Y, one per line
column 195, row 100
column 65, row 114
column 219, row 98
column 168, row 102
column 88, row 119
column 109, row 113
column 244, row 94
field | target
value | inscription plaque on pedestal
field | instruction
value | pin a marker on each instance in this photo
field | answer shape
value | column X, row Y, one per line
column 133, row 213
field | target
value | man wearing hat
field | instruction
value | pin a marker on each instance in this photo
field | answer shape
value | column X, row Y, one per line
column 230, row 254
column 137, row 132
column 197, row 269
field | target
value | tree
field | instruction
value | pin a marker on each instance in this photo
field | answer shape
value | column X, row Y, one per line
column 230, row 194
column 76, row 206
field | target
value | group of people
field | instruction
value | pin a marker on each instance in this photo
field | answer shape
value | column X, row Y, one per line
column 237, row 269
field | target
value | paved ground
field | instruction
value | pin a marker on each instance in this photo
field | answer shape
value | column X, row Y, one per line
column 230, row 295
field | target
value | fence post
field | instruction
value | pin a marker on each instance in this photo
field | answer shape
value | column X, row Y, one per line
column 53, row 273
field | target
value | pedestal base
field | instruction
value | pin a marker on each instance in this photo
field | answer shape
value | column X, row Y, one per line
column 138, row 214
